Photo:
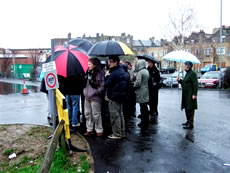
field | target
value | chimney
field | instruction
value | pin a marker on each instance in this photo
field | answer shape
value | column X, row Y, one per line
column 69, row 35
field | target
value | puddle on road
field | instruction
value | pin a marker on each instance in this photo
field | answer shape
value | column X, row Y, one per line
column 8, row 88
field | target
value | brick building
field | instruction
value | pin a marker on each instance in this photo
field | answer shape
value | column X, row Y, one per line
column 10, row 57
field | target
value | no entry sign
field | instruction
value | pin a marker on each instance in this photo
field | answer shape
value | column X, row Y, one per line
column 51, row 80
column 50, row 75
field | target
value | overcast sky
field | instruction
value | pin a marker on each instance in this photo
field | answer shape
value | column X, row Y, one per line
column 33, row 23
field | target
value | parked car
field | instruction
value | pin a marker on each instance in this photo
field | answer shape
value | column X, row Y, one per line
column 167, row 70
column 171, row 81
column 209, row 67
column 209, row 79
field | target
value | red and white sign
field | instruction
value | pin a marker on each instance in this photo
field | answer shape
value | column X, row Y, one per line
column 50, row 74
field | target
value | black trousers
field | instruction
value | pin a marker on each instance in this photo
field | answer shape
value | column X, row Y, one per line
column 153, row 100
column 190, row 116
column 144, row 112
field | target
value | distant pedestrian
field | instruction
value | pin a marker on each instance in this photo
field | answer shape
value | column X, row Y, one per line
column 116, row 87
column 131, row 103
column 189, row 94
column 153, row 87
column 94, row 94
column 126, row 109
column 130, row 70
column 142, row 90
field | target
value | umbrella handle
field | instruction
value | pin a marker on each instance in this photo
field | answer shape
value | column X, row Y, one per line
column 178, row 76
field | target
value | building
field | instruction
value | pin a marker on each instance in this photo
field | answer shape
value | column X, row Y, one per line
column 10, row 58
column 206, row 47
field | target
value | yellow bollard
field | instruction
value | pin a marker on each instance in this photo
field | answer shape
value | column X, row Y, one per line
column 63, row 113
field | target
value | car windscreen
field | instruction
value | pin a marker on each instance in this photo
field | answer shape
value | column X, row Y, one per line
column 210, row 76
column 175, row 74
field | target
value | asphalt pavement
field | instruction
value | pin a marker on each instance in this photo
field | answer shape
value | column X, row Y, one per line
column 162, row 146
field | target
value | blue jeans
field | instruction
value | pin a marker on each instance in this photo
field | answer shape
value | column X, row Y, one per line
column 72, row 102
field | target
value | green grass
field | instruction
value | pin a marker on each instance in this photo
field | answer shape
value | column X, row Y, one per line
column 22, row 166
column 61, row 164
column 84, row 164
column 38, row 132
column 34, row 131
column 9, row 151
column 3, row 128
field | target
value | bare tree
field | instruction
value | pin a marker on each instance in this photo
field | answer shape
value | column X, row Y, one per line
column 35, row 55
column 7, row 60
column 181, row 23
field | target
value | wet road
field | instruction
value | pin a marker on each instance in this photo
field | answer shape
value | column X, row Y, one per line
column 163, row 146
column 18, row 108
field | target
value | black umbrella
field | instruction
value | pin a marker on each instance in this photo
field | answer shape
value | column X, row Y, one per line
column 108, row 48
column 82, row 44
column 148, row 57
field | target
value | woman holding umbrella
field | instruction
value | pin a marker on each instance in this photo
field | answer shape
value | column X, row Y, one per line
column 94, row 93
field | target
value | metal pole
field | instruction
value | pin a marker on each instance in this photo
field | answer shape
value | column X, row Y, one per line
column 220, row 43
column 14, row 66
column 52, row 97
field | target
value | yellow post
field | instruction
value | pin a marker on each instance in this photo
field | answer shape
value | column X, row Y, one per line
column 62, row 113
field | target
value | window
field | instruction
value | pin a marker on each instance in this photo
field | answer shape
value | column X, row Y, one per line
column 128, row 40
column 160, row 53
column 188, row 50
column 207, row 51
column 222, row 51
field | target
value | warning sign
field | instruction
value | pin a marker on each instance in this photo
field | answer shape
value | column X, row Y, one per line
column 50, row 74
column 51, row 80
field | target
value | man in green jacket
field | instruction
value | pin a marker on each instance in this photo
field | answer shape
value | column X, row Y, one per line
column 189, row 94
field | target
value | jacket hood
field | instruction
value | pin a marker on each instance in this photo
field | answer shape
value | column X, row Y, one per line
column 141, row 64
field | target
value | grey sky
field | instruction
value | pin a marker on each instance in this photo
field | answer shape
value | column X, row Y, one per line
column 32, row 23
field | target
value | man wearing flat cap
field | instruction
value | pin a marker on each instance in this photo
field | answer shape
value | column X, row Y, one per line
column 189, row 94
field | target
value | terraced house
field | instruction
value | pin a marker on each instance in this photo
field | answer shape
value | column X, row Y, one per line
column 204, row 46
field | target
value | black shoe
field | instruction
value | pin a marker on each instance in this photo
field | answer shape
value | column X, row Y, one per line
column 188, row 127
column 185, row 124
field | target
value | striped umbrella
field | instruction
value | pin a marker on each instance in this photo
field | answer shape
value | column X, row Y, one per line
column 69, row 62
column 109, row 48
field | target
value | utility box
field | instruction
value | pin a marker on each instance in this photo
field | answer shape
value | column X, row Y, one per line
column 21, row 71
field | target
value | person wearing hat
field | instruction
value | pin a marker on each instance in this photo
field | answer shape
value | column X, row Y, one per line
column 153, row 87
column 189, row 94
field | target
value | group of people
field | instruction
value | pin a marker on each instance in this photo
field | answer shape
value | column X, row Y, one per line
column 121, row 87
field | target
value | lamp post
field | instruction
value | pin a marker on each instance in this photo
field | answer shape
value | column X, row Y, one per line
column 220, row 83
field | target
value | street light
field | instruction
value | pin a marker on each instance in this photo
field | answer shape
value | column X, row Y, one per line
column 220, row 42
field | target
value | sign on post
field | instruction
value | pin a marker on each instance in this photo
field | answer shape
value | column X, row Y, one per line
column 50, row 75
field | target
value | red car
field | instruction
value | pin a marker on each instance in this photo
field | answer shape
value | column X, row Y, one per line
column 209, row 79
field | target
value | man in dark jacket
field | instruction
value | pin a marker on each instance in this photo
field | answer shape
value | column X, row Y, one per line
column 116, row 82
column 189, row 94
column 153, row 87
column 73, row 87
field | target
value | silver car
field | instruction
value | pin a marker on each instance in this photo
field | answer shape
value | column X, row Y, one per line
column 171, row 81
